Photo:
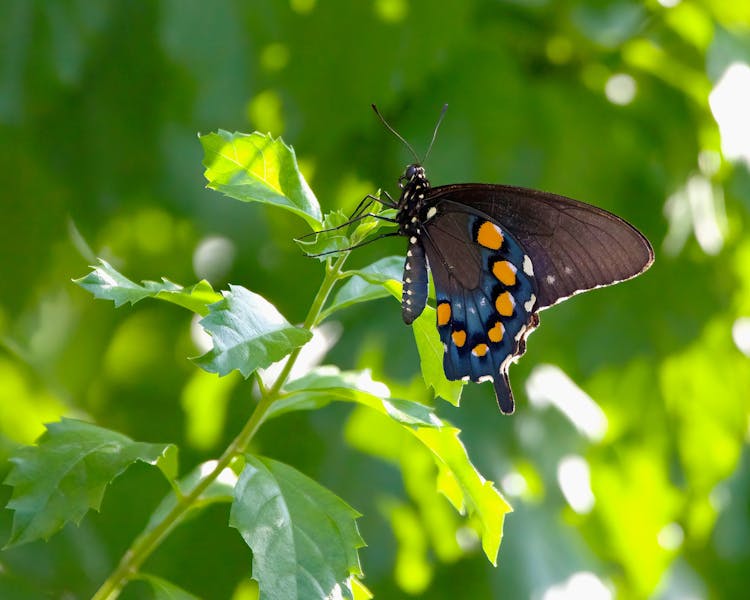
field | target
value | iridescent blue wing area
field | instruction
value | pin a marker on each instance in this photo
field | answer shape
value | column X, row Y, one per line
column 499, row 254
column 573, row 246
column 486, row 297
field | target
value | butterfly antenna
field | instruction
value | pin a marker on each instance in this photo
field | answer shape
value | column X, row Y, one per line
column 434, row 133
column 396, row 133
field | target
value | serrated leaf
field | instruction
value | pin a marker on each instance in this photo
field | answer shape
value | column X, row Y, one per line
column 165, row 590
column 304, row 538
column 367, row 284
column 332, row 237
column 258, row 168
column 66, row 473
column 339, row 234
column 109, row 284
column 430, row 350
column 327, row 384
column 465, row 487
column 248, row 333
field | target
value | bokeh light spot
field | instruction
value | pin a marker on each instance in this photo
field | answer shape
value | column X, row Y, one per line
column 729, row 101
column 274, row 57
column 575, row 483
column 391, row 11
column 213, row 258
column 265, row 112
column 620, row 89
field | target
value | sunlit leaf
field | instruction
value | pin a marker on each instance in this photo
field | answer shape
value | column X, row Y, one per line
column 66, row 474
column 165, row 590
column 332, row 237
column 430, row 350
column 248, row 333
column 455, row 477
column 304, row 538
column 258, row 168
column 327, row 384
column 367, row 284
column 465, row 487
column 109, row 284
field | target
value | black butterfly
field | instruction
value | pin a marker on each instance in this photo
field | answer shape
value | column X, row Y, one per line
column 498, row 255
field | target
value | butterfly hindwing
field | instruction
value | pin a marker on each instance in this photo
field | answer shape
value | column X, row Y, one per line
column 573, row 246
column 485, row 297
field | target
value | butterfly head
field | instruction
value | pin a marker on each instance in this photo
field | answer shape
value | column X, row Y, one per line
column 413, row 177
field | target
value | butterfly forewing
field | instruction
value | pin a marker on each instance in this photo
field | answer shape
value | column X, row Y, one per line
column 573, row 247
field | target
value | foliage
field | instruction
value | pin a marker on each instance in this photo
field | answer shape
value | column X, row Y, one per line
column 627, row 461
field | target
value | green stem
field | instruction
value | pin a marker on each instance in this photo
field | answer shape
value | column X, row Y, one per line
column 149, row 540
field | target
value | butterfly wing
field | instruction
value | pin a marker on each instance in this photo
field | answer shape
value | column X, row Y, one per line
column 498, row 254
column 573, row 246
column 485, row 298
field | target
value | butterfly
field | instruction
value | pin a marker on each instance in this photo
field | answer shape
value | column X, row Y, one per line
column 498, row 255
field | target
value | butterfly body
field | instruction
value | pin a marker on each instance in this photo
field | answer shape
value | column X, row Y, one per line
column 499, row 254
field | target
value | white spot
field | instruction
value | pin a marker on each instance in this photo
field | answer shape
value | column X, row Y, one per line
column 419, row 231
column 409, row 309
column 412, row 240
column 568, row 270
column 408, row 301
column 407, row 267
column 549, row 385
column 729, row 101
column 530, row 304
column 408, row 292
column 671, row 536
column 445, row 347
column 413, row 220
column 408, row 253
column 472, row 310
column 527, row 266
column 575, row 483
column 408, row 280
column 741, row 335
column 484, row 378
column 582, row 584
column 483, row 301
column 421, row 196
column 466, row 378
column 620, row 89
column 550, row 279
column 432, row 212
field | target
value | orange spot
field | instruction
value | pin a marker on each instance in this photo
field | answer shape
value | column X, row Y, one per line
column 496, row 333
column 505, row 272
column 443, row 313
column 504, row 304
column 459, row 338
column 480, row 349
column 490, row 236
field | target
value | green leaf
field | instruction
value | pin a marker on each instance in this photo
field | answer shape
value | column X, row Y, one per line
column 165, row 590
column 366, row 284
column 109, row 284
column 258, row 168
column 326, row 384
column 303, row 537
column 430, row 350
column 248, row 333
column 61, row 478
column 337, row 235
column 460, row 482
column 333, row 237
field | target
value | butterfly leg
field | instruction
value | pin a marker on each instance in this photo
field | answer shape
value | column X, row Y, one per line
column 365, row 203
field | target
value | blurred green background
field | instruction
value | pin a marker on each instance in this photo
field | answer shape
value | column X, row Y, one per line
column 627, row 461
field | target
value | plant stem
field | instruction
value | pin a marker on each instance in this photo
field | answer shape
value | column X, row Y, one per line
column 150, row 539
